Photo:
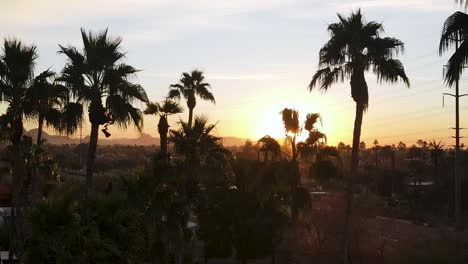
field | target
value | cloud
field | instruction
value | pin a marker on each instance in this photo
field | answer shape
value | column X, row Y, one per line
column 59, row 12
column 406, row 5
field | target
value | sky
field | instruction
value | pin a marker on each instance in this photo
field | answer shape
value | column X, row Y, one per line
column 259, row 57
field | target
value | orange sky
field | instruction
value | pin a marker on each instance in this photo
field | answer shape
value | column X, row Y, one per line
column 259, row 56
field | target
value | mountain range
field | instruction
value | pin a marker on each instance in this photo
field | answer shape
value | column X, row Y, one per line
column 143, row 140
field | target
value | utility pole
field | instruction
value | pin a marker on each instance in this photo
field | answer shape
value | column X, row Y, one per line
column 457, row 176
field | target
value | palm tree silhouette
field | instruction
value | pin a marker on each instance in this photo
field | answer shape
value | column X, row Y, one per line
column 312, row 142
column 44, row 100
column 198, row 145
column 267, row 145
column 98, row 77
column 163, row 109
column 454, row 31
column 437, row 150
column 290, row 119
column 17, row 63
column 190, row 85
column 355, row 46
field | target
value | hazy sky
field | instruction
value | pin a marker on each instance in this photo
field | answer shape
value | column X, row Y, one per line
column 259, row 56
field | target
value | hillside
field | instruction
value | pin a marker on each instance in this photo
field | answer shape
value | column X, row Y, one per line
column 143, row 140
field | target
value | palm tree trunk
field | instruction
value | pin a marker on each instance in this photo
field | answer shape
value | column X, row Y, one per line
column 163, row 129
column 39, row 129
column 190, row 117
column 163, row 143
column 18, row 173
column 91, row 157
column 349, row 182
column 293, row 147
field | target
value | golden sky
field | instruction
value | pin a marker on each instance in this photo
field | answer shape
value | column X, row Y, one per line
column 259, row 57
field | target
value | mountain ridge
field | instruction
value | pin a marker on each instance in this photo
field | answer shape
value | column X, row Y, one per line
column 143, row 140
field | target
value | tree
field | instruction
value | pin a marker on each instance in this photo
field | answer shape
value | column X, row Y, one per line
column 312, row 142
column 437, row 149
column 401, row 146
column 376, row 152
column 17, row 63
column 362, row 146
column 44, row 100
column 267, row 145
column 191, row 85
column 198, row 146
column 97, row 76
column 163, row 109
column 355, row 46
column 290, row 119
column 453, row 33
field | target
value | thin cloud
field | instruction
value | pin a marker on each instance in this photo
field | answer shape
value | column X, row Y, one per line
column 407, row 5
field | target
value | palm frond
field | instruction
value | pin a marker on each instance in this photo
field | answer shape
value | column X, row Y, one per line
column 454, row 29
column 326, row 77
column 151, row 109
column 390, row 70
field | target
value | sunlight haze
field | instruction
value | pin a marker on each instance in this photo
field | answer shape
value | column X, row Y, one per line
column 259, row 56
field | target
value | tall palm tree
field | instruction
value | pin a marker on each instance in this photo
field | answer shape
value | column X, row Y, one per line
column 17, row 63
column 191, row 85
column 454, row 32
column 355, row 46
column 292, row 128
column 163, row 109
column 97, row 77
column 16, row 76
column 44, row 102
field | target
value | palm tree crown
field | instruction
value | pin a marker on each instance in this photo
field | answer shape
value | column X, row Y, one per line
column 163, row 109
column 355, row 47
column 97, row 77
column 17, row 65
column 44, row 101
column 97, row 73
column 454, row 33
column 191, row 85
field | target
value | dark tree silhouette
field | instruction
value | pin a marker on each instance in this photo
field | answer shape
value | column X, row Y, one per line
column 97, row 77
column 355, row 46
column 44, row 100
column 163, row 109
column 291, row 127
column 190, row 85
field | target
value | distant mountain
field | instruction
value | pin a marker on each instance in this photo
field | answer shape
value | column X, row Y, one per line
column 233, row 141
column 143, row 140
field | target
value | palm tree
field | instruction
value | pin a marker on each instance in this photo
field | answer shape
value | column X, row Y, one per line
column 267, row 145
column 97, row 77
column 17, row 63
column 463, row 3
column 198, row 145
column 44, row 101
column 437, row 150
column 355, row 46
column 16, row 76
column 454, row 34
column 291, row 126
column 315, row 138
column 163, row 109
column 190, row 85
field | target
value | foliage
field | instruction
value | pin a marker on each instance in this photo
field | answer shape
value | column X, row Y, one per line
column 245, row 213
